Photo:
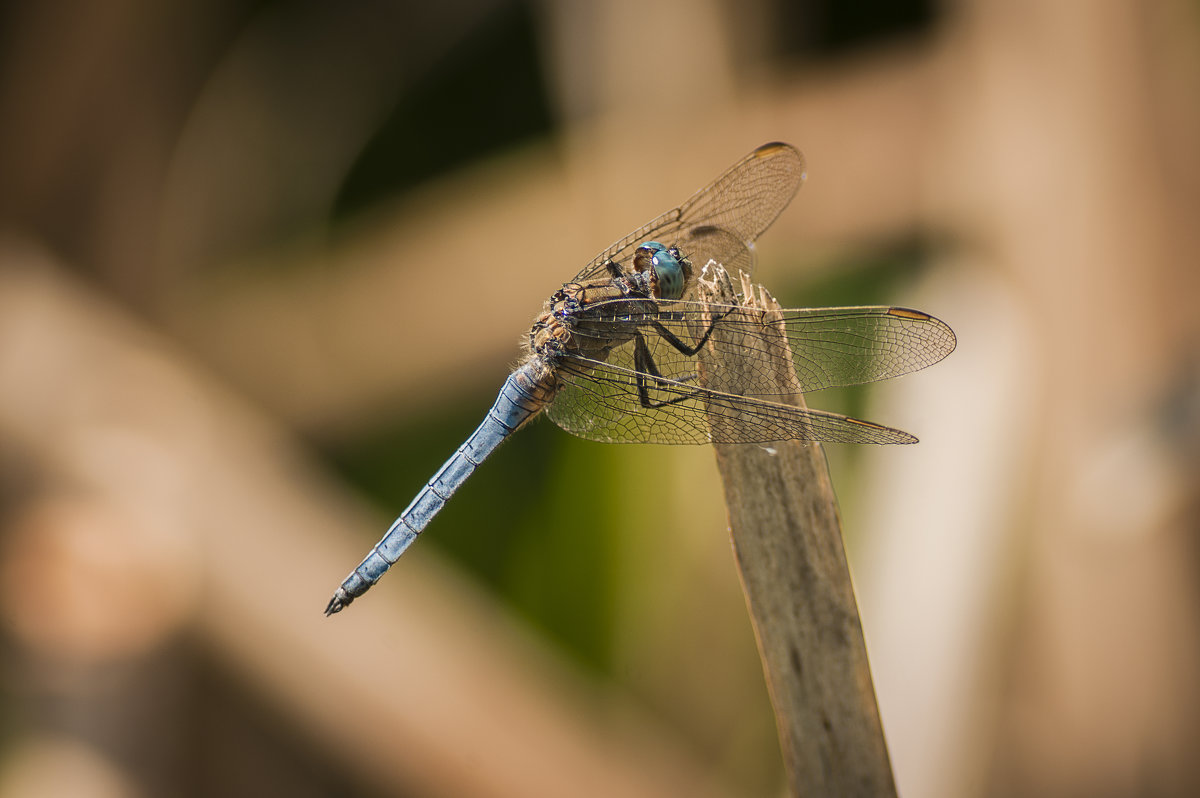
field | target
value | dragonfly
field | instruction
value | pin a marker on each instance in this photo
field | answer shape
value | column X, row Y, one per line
column 617, row 353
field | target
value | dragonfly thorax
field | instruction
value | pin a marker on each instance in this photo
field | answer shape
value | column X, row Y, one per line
column 552, row 331
column 658, row 272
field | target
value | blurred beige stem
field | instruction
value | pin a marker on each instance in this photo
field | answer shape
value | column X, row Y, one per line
column 787, row 539
column 428, row 688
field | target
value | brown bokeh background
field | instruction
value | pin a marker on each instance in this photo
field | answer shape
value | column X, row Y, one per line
column 263, row 265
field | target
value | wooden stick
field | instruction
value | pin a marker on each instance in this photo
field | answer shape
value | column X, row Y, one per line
column 786, row 536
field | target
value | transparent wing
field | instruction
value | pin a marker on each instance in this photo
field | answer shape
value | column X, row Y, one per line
column 830, row 347
column 603, row 401
column 654, row 387
column 742, row 203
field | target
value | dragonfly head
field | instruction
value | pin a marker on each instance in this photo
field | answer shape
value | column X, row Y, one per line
column 670, row 269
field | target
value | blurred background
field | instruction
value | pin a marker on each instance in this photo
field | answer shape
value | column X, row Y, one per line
column 264, row 265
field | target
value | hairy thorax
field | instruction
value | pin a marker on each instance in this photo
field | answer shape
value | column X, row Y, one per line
column 554, row 331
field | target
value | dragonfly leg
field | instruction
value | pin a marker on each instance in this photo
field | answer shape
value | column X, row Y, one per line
column 644, row 363
column 679, row 345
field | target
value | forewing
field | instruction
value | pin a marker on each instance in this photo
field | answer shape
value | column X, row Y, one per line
column 830, row 346
column 743, row 201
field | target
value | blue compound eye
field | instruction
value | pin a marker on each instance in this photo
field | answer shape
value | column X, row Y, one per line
column 668, row 267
